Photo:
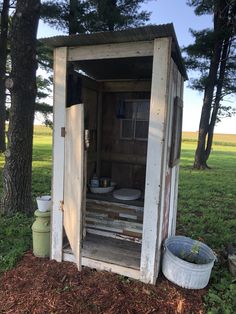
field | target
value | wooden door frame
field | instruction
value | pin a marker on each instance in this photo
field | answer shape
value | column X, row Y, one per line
column 156, row 162
column 59, row 107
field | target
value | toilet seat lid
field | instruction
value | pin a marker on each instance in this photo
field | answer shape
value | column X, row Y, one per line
column 127, row 194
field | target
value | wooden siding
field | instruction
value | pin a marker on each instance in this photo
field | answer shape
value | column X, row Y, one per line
column 114, row 220
column 171, row 187
column 90, row 101
column 175, row 172
column 122, row 160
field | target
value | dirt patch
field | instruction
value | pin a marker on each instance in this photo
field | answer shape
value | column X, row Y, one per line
column 38, row 285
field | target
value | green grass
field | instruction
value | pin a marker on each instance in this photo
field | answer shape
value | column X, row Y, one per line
column 42, row 161
column 15, row 232
column 15, row 239
column 206, row 209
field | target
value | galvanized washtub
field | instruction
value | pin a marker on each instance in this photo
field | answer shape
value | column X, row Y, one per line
column 193, row 273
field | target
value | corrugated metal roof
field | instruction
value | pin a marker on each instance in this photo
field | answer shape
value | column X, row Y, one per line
column 145, row 33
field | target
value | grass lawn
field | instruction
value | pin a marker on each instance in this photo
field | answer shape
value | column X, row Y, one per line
column 206, row 209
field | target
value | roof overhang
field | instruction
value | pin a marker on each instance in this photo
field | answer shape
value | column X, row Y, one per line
column 146, row 33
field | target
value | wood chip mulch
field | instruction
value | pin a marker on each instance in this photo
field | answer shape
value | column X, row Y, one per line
column 39, row 286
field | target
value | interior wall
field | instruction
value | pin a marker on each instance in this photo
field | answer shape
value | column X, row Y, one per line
column 90, row 101
column 122, row 160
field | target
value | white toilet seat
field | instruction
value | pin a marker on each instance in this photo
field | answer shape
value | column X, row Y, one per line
column 127, row 194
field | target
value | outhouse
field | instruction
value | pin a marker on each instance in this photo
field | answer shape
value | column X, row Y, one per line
column 117, row 114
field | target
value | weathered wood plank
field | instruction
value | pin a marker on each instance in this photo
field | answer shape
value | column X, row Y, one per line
column 119, row 207
column 99, row 134
column 175, row 170
column 124, row 158
column 110, row 51
column 59, row 101
column 115, row 235
column 107, row 198
column 119, row 224
column 109, row 213
column 103, row 266
column 150, row 257
column 74, row 178
column 127, row 86
column 113, row 251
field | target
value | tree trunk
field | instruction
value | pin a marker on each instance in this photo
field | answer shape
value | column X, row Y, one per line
column 3, row 59
column 18, row 156
column 220, row 20
column 73, row 17
column 217, row 100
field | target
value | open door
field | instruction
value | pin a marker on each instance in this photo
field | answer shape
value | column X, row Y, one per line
column 74, row 178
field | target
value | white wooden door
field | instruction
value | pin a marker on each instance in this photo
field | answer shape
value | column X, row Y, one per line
column 73, row 178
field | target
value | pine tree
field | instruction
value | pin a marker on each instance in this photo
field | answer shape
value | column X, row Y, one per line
column 213, row 56
column 93, row 15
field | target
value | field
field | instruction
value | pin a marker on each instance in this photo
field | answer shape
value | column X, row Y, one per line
column 206, row 209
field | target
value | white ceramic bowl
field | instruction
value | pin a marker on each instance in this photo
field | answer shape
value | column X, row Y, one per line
column 101, row 190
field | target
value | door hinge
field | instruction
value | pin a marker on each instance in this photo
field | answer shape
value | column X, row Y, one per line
column 63, row 132
column 62, row 206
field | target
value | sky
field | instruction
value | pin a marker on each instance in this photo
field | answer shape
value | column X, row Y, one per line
column 183, row 18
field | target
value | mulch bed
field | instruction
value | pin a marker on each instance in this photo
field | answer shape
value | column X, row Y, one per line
column 39, row 285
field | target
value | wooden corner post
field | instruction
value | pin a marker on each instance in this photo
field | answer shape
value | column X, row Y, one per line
column 59, row 106
column 153, row 205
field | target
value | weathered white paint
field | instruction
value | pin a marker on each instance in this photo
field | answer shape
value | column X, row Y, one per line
column 74, row 178
column 155, row 158
column 111, row 51
column 172, row 94
column 175, row 171
column 59, row 104
column 99, row 265
column 166, row 168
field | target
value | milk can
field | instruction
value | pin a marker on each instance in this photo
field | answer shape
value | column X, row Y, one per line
column 41, row 234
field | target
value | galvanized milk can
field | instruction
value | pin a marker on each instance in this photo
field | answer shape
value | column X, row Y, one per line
column 41, row 234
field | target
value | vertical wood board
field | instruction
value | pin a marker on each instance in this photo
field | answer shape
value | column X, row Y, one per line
column 59, row 105
column 175, row 171
column 155, row 158
column 169, row 171
column 73, row 181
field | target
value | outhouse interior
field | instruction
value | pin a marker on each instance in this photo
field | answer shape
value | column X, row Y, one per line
column 117, row 117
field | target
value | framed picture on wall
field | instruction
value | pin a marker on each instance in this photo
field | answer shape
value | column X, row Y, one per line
column 176, row 132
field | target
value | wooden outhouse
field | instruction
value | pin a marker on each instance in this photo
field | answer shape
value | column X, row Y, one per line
column 117, row 114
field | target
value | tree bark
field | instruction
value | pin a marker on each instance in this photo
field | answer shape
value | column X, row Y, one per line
column 73, row 17
column 3, row 60
column 220, row 20
column 18, row 156
column 217, row 100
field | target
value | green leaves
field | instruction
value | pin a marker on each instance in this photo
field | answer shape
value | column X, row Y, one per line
column 92, row 16
column 206, row 211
